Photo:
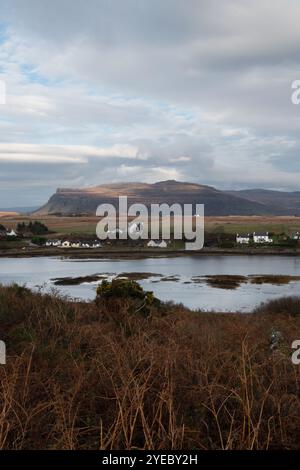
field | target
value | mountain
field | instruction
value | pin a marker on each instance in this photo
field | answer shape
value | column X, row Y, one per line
column 71, row 201
column 278, row 202
column 20, row 210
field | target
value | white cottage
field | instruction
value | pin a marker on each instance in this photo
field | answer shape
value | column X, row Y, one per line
column 243, row 239
column 262, row 238
column 11, row 233
column 53, row 242
column 296, row 236
column 157, row 244
column 96, row 244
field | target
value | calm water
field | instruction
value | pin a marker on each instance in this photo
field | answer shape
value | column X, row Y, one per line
column 36, row 272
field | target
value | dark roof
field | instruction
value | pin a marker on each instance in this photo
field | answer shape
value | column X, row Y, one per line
column 261, row 234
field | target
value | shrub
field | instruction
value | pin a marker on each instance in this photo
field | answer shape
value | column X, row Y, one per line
column 284, row 305
column 40, row 241
column 129, row 290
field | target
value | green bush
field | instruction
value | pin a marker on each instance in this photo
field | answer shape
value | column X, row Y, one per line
column 129, row 290
column 40, row 241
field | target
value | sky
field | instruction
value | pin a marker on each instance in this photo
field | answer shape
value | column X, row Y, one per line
column 101, row 91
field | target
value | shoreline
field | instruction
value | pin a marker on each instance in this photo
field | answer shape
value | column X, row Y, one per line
column 77, row 253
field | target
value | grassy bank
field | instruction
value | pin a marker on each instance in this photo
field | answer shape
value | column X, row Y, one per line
column 112, row 375
column 139, row 253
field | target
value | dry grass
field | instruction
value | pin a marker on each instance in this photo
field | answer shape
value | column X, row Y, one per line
column 8, row 214
column 87, row 376
column 229, row 224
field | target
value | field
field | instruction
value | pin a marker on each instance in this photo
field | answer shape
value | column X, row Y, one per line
column 230, row 224
column 8, row 214
column 248, row 224
column 59, row 225
column 111, row 375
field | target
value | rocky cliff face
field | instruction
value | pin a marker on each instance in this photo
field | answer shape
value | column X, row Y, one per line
column 70, row 201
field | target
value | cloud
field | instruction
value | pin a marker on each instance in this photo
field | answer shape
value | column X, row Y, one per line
column 56, row 154
column 101, row 91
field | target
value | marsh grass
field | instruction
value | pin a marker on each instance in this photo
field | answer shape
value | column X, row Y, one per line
column 222, row 281
column 274, row 279
column 229, row 281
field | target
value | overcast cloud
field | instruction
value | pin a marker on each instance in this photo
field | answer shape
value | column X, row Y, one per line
column 136, row 90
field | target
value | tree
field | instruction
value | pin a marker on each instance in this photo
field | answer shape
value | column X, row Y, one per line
column 35, row 228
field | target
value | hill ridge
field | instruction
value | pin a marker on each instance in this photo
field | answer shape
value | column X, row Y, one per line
column 77, row 201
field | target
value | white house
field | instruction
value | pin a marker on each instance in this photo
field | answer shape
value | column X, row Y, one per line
column 243, row 239
column 157, row 244
column 11, row 233
column 96, row 244
column 79, row 244
column 53, row 242
column 296, row 236
column 262, row 238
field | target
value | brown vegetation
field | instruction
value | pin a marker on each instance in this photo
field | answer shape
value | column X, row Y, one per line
column 8, row 214
column 233, row 281
column 225, row 281
column 102, row 375
column 73, row 281
column 275, row 279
